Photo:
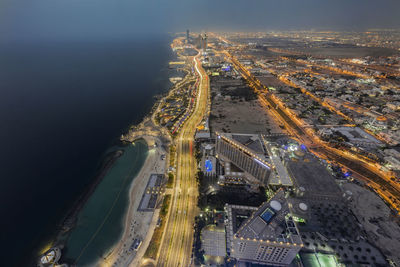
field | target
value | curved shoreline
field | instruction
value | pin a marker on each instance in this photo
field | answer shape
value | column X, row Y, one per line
column 69, row 221
column 132, row 216
column 70, row 218
column 105, row 171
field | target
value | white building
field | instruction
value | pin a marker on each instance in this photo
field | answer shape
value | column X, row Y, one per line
column 247, row 153
column 268, row 236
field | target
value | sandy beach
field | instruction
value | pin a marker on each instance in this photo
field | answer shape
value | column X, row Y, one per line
column 137, row 223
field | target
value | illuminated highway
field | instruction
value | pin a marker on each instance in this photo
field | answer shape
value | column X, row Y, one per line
column 176, row 245
column 367, row 171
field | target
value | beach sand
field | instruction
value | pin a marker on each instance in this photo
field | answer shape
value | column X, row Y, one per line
column 137, row 223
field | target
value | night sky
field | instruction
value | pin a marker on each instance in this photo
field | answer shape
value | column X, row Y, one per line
column 82, row 19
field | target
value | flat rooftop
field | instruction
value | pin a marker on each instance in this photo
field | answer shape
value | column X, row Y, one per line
column 281, row 175
column 236, row 216
column 269, row 222
column 150, row 195
column 213, row 241
column 251, row 141
column 313, row 178
column 356, row 134
column 239, row 216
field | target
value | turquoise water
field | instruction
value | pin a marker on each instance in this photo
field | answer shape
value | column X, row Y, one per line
column 99, row 224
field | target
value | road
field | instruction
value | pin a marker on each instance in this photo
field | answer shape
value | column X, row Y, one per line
column 176, row 245
column 388, row 190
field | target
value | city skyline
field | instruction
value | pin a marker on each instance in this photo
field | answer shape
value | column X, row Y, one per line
column 79, row 20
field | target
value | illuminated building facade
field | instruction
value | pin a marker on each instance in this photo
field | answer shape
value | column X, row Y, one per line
column 269, row 236
column 251, row 162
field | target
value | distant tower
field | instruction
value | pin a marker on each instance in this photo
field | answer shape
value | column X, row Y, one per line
column 199, row 41
column 187, row 36
column 204, row 42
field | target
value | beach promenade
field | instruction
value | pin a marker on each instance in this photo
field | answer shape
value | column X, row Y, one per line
column 137, row 223
column 140, row 225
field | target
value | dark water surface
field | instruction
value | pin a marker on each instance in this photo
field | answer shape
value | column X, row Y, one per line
column 61, row 106
column 100, row 222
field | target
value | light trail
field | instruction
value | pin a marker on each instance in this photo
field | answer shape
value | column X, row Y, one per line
column 176, row 245
column 370, row 171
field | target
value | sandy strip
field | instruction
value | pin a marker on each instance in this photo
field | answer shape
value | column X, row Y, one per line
column 137, row 223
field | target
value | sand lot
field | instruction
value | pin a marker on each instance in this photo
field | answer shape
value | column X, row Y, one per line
column 239, row 116
column 377, row 221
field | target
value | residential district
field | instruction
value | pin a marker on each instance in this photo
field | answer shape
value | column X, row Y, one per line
column 274, row 149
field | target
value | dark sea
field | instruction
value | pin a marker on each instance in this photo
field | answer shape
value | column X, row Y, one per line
column 62, row 105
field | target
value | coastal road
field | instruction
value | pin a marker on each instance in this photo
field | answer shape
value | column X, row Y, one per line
column 176, row 245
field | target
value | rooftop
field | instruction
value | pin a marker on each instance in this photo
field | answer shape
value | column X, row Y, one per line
column 251, row 141
column 213, row 241
column 281, row 175
column 270, row 223
column 251, row 144
column 312, row 177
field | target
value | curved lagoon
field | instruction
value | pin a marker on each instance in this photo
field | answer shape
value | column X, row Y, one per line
column 100, row 222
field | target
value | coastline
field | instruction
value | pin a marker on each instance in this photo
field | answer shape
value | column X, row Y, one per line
column 135, row 223
column 70, row 218
column 136, row 188
column 68, row 222
column 96, row 229
column 85, row 159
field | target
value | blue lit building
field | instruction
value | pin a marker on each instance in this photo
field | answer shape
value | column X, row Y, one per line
column 247, row 153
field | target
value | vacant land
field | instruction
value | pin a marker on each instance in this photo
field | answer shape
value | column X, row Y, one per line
column 349, row 52
column 381, row 226
column 231, row 112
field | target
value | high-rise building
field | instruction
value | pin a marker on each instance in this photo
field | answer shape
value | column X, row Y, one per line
column 198, row 41
column 187, row 36
column 247, row 153
column 269, row 236
column 204, row 42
